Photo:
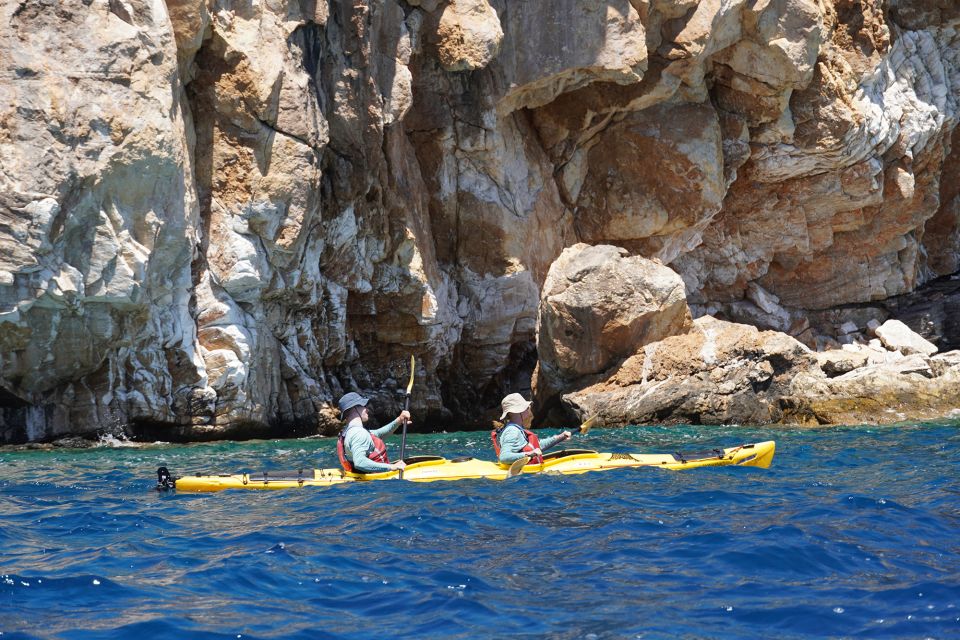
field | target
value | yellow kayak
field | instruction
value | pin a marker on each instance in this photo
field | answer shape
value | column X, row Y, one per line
column 433, row 468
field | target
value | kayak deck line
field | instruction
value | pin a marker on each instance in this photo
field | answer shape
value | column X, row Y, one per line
column 437, row 468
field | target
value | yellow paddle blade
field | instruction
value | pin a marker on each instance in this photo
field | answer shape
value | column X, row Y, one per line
column 585, row 427
column 517, row 467
column 410, row 384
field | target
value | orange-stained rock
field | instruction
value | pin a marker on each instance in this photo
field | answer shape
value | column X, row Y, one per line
column 653, row 181
column 941, row 233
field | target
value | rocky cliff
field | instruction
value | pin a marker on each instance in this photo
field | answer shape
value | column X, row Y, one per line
column 638, row 359
column 216, row 216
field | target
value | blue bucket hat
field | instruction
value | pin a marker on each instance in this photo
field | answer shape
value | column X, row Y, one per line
column 351, row 400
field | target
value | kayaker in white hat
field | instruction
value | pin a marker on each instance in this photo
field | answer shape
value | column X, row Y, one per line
column 514, row 439
column 363, row 451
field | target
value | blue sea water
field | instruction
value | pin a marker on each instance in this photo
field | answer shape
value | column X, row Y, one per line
column 853, row 532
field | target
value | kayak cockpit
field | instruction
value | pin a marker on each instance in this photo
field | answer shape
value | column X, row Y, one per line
column 412, row 460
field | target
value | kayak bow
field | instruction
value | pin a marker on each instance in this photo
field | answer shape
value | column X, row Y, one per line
column 433, row 468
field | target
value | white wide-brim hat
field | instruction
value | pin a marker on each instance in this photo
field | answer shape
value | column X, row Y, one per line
column 513, row 403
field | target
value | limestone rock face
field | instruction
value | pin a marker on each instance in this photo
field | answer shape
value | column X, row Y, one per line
column 655, row 180
column 217, row 216
column 552, row 47
column 317, row 252
column 98, row 221
column 849, row 187
column 722, row 372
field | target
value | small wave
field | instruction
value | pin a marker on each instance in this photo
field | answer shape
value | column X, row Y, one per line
column 110, row 441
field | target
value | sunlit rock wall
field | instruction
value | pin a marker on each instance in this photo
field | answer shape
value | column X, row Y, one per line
column 217, row 216
column 98, row 220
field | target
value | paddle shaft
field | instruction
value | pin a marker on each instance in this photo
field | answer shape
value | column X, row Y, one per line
column 406, row 407
column 403, row 436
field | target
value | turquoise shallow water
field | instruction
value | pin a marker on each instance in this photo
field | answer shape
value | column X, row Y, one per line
column 853, row 532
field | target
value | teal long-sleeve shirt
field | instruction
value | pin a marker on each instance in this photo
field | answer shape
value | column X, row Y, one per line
column 513, row 440
column 357, row 445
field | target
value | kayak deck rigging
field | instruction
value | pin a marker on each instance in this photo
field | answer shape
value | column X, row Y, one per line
column 435, row 468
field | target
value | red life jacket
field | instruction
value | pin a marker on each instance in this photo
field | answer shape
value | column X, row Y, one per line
column 379, row 453
column 533, row 442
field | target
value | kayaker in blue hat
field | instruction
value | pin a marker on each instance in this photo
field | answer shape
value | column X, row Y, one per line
column 514, row 439
column 363, row 451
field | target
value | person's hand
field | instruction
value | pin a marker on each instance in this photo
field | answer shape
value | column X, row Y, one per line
column 565, row 436
column 399, row 464
column 404, row 416
column 536, row 452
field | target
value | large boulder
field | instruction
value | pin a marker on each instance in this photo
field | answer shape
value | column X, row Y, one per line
column 600, row 305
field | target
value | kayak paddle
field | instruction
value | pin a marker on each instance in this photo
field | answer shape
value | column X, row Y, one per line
column 406, row 407
column 585, row 427
column 517, row 467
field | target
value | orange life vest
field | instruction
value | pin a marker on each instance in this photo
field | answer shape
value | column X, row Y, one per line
column 533, row 442
column 379, row 453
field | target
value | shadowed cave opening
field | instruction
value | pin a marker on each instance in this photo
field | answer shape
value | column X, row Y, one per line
column 13, row 418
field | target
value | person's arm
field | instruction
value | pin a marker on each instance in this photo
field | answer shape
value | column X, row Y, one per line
column 546, row 443
column 512, row 442
column 358, row 442
column 384, row 431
